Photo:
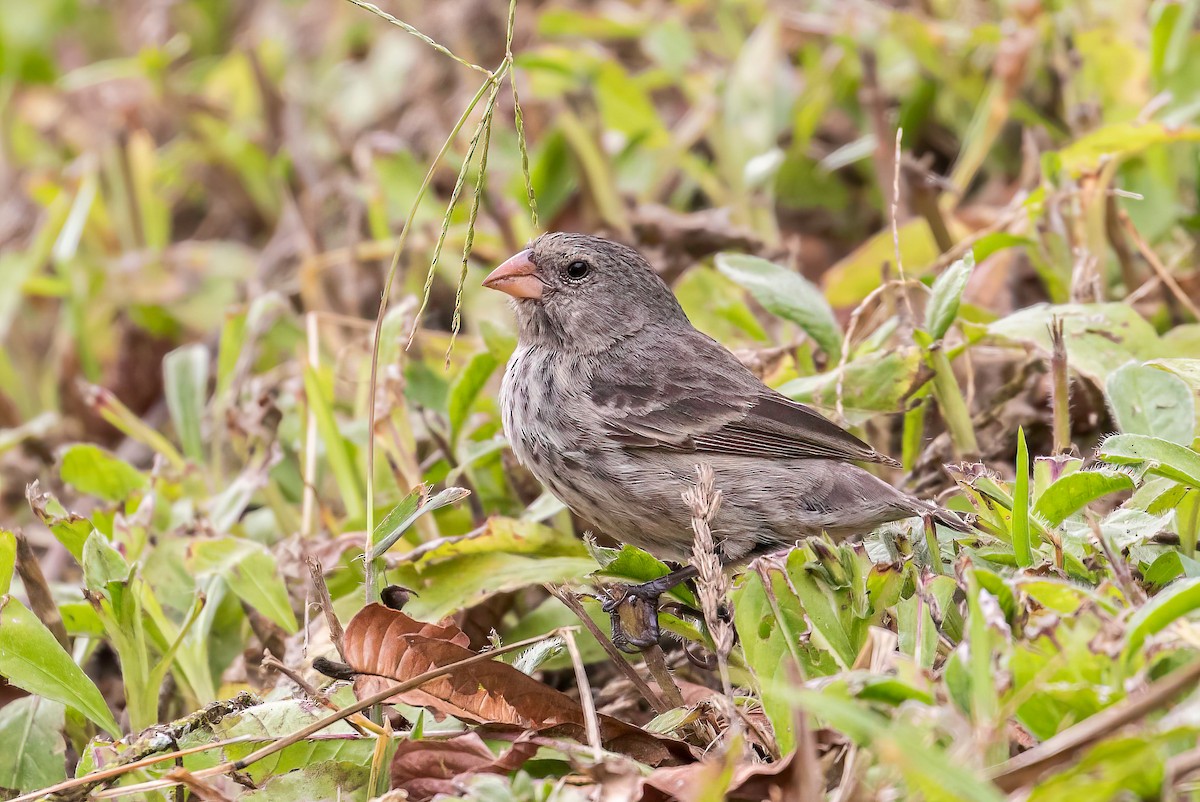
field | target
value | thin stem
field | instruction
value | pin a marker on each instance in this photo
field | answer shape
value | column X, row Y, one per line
column 346, row 712
column 379, row 12
column 383, row 301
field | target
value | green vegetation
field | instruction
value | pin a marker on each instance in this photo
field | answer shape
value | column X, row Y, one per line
column 966, row 230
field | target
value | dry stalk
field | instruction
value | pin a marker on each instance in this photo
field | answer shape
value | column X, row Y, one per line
column 712, row 583
column 568, row 599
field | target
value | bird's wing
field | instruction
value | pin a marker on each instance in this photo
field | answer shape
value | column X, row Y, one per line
column 690, row 394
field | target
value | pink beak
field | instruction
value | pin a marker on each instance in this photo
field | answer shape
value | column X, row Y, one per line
column 517, row 277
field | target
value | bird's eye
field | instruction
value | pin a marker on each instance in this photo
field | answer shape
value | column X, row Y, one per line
column 577, row 270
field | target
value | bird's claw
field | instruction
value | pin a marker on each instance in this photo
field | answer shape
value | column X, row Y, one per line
column 633, row 615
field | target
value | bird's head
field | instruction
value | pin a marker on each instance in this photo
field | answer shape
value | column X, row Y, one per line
column 583, row 293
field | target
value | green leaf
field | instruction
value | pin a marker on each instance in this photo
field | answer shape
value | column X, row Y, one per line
column 506, row 555
column 102, row 563
column 1169, row 604
column 1071, row 493
column 1099, row 337
column 876, row 382
column 406, row 513
column 92, row 470
column 1164, row 458
column 770, row 623
column 31, row 658
column 251, row 572
column 854, row 277
column 466, row 388
column 1119, row 141
column 8, row 561
column 947, row 293
column 34, row 753
column 337, row 451
column 1169, row 566
column 930, row 771
column 828, row 610
column 185, row 384
column 1187, row 370
column 787, row 294
column 1152, row 402
column 71, row 530
column 340, row 780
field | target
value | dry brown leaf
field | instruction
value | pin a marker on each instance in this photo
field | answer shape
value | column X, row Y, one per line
column 750, row 781
column 387, row 642
column 424, row 769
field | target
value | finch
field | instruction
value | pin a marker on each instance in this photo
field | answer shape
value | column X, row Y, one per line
column 612, row 398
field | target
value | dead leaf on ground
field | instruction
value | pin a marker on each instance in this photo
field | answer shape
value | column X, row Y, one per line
column 388, row 643
column 424, row 769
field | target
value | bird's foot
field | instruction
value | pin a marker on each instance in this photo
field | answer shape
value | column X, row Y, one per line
column 633, row 612
column 633, row 615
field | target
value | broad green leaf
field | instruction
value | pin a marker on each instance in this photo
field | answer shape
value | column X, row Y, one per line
column 1099, row 337
column 31, row 658
column 276, row 719
column 828, row 610
column 1116, row 768
column 787, row 294
column 92, row 470
column 1119, row 141
column 1167, row 459
column 714, row 305
column 316, row 781
column 466, row 388
column 34, row 753
column 770, row 624
column 1073, row 492
column 1152, row 402
column 1187, row 370
column 251, row 572
column 947, row 294
column 506, row 555
column 626, row 107
column 1169, row 566
column 1169, row 604
column 185, row 384
column 876, row 382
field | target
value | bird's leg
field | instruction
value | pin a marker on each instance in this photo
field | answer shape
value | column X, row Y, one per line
column 638, row 605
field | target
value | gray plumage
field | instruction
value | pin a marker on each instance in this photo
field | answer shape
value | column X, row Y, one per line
column 613, row 397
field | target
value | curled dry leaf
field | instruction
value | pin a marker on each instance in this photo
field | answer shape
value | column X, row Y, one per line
column 697, row 781
column 394, row 647
column 424, row 769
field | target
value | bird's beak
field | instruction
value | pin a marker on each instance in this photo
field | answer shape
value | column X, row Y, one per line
column 517, row 277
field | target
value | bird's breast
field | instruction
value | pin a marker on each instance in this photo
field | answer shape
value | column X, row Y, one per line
column 541, row 408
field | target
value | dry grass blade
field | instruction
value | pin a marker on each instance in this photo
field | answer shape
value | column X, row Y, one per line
column 484, row 124
column 1156, row 264
column 469, row 240
column 41, row 600
column 379, row 12
column 373, row 384
column 712, row 583
column 1028, row 766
